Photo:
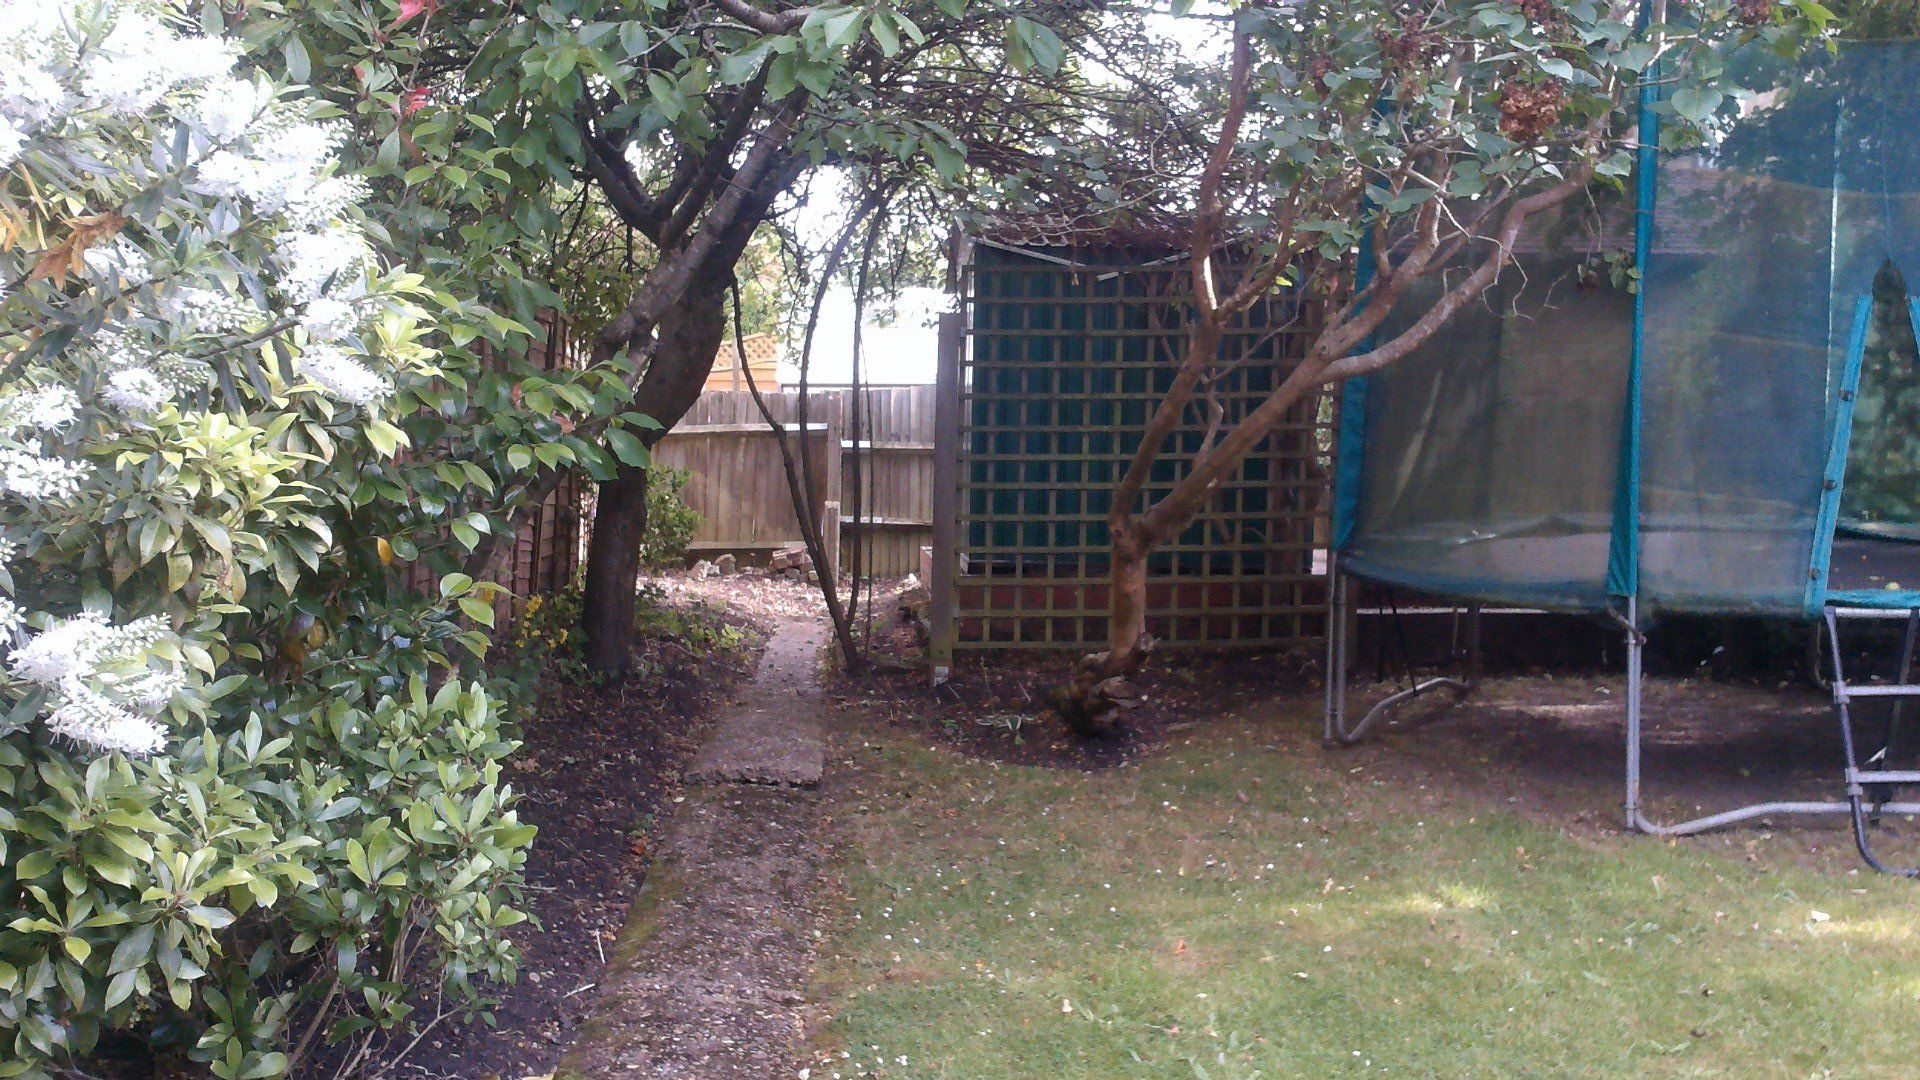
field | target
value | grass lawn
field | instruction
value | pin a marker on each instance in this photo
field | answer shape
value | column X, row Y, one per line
column 1243, row 904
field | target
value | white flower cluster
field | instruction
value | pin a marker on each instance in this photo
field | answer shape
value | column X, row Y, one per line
column 119, row 263
column 229, row 108
column 329, row 318
column 141, row 60
column 283, row 170
column 315, row 264
column 46, row 408
column 342, row 377
column 136, row 391
column 202, row 310
column 46, row 75
column 120, row 355
column 36, row 478
column 105, row 688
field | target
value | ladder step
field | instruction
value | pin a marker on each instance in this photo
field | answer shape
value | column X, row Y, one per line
column 1882, row 776
column 1872, row 613
column 1889, row 690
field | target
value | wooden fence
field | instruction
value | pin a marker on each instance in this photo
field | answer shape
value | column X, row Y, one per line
column 873, row 499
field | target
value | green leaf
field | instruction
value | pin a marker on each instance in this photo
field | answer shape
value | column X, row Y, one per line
column 1696, row 103
column 478, row 610
column 630, row 450
column 299, row 67
column 887, row 36
column 1041, row 44
column 743, row 66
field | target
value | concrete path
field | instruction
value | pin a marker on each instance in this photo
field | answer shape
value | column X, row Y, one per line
column 772, row 736
column 707, row 979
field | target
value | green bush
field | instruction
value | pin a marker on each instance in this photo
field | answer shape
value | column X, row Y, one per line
column 671, row 523
column 250, row 782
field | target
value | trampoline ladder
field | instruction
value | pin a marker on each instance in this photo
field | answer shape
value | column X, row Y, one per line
column 1871, row 789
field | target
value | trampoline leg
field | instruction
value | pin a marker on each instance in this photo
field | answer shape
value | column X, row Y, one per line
column 1336, row 709
column 1854, row 806
column 1636, row 641
column 1472, row 678
column 1338, row 732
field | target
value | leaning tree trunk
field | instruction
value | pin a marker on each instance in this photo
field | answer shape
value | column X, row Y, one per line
column 1099, row 682
column 682, row 357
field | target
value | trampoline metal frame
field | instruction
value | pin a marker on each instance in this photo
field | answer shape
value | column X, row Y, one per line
column 1338, row 732
column 1636, row 818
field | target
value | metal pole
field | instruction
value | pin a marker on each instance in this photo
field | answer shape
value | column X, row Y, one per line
column 1634, row 644
column 1473, row 646
column 944, row 630
column 1336, row 650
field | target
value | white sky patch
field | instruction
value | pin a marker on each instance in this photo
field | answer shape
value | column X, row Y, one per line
column 901, row 351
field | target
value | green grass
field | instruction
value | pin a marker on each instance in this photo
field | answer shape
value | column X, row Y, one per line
column 1242, row 906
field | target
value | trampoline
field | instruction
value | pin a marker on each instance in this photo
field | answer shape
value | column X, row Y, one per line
column 1740, row 436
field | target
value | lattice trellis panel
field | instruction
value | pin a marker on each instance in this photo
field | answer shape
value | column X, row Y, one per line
column 1063, row 365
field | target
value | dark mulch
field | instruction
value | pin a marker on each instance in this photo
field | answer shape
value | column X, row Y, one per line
column 995, row 705
column 599, row 769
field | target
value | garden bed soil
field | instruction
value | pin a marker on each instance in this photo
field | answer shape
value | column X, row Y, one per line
column 1547, row 744
column 599, row 770
column 995, row 704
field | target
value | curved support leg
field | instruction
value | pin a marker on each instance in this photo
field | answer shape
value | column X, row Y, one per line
column 1340, row 733
column 1858, row 806
column 1347, row 736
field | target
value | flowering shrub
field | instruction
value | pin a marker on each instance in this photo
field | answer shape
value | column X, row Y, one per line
column 236, row 817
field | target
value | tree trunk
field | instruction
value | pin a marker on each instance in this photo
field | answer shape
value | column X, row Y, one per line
column 681, row 359
column 1127, row 638
column 613, row 569
column 1100, row 682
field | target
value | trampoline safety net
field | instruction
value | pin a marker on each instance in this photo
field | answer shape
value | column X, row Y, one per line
column 1524, row 453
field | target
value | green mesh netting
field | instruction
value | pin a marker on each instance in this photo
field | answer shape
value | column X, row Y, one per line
column 1765, row 246
column 1489, row 463
column 1489, row 458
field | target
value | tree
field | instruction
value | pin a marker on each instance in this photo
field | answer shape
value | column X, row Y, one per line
column 711, row 113
column 694, row 120
column 1362, row 147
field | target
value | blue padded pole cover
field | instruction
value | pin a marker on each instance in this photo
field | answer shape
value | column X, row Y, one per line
column 1833, row 479
column 1623, row 549
column 1351, row 446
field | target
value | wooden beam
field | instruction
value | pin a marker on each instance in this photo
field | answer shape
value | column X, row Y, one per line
column 943, row 629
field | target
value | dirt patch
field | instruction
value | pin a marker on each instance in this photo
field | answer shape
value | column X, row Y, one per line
column 1548, row 745
column 995, row 705
column 1553, row 749
column 753, row 593
column 599, row 767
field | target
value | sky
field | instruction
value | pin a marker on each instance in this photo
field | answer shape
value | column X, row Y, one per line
column 902, row 351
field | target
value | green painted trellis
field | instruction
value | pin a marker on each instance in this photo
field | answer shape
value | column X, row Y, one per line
column 1064, row 359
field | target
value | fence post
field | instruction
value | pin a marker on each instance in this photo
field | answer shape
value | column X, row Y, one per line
column 943, row 631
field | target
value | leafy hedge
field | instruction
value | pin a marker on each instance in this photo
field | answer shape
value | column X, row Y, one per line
column 250, row 784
